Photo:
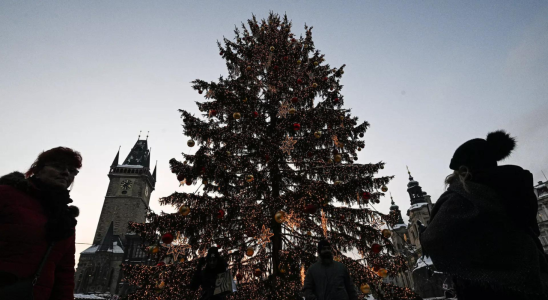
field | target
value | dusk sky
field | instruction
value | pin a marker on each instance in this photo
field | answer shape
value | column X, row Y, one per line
column 427, row 75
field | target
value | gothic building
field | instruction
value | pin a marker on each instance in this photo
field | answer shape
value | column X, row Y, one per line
column 127, row 199
column 541, row 190
column 422, row 277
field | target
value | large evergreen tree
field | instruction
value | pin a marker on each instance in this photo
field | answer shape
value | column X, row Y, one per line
column 275, row 158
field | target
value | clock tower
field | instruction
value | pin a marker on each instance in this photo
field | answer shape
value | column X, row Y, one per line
column 127, row 199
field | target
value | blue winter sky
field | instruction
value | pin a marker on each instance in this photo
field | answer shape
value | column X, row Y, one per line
column 427, row 75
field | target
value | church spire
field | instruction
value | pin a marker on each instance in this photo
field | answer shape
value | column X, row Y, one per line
column 116, row 159
column 415, row 190
column 154, row 173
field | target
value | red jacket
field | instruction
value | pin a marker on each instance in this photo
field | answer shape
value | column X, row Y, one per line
column 23, row 245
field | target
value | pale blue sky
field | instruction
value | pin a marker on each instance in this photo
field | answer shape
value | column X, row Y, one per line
column 427, row 75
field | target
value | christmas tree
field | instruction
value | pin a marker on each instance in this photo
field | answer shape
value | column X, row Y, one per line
column 276, row 162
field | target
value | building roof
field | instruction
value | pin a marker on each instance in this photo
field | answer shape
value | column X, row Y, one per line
column 139, row 155
column 111, row 243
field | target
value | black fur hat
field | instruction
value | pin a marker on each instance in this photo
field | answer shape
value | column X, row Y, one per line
column 323, row 243
column 480, row 154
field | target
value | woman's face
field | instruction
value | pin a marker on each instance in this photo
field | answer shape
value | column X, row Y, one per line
column 57, row 175
column 212, row 262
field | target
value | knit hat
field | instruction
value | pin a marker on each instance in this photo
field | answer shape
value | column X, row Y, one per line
column 323, row 243
column 213, row 252
column 480, row 154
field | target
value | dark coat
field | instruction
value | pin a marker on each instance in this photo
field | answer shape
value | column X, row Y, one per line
column 23, row 242
column 206, row 278
column 487, row 237
column 330, row 281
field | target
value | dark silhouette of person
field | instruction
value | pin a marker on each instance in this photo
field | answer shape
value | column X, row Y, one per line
column 328, row 279
column 483, row 230
column 206, row 277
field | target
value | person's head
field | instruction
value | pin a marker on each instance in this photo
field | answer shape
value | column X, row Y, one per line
column 479, row 154
column 56, row 167
column 212, row 258
column 324, row 249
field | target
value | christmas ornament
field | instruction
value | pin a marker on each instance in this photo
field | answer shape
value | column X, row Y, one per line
column 191, row 143
column 386, row 233
column 292, row 111
column 299, row 62
column 294, row 100
column 283, row 110
column 376, row 248
column 366, row 196
column 286, row 58
column 359, row 149
column 244, row 100
column 167, row 238
column 384, row 188
column 272, row 48
column 279, row 216
column 228, row 153
column 337, row 158
column 249, row 178
column 205, row 182
column 188, row 181
column 282, row 268
column 153, row 249
column 361, row 134
column 288, row 145
column 314, row 85
column 248, row 68
column 250, row 251
column 318, row 134
column 212, row 113
column 337, row 182
column 383, row 273
column 184, row 210
column 267, row 157
column 255, row 114
column 220, row 214
column 180, row 177
column 325, row 79
column 239, row 277
column 336, row 100
column 341, row 118
column 315, row 63
column 160, row 264
column 329, row 161
column 265, row 236
column 296, row 126
column 310, row 209
column 275, row 68
column 200, row 92
column 258, row 272
column 299, row 81
column 309, row 233
column 236, row 115
column 365, row 288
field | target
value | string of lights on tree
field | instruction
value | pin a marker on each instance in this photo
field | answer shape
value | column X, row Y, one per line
column 276, row 157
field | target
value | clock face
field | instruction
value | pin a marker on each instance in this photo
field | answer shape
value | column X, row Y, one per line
column 126, row 184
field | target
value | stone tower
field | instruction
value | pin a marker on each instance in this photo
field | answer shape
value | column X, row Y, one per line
column 401, row 244
column 541, row 190
column 420, row 209
column 127, row 200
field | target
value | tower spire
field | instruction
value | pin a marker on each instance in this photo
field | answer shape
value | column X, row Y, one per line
column 409, row 172
column 138, row 138
column 154, row 173
column 147, row 136
column 115, row 161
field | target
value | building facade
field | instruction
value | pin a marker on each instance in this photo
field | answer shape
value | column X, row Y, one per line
column 541, row 190
column 127, row 200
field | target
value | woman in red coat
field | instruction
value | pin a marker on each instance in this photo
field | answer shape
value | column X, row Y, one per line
column 34, row 212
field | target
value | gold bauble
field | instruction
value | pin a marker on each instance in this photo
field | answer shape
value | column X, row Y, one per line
column 338, row 182
column 272, row 48
column 386, row 233
column 162, row 285
column 250, row 251
column 299, row 62
column 337, row 258
column 184, row 210
column 342, row 71
column 309, row 233
column 384, row 188
column 318, row 134
column 227, row 153
column 279, row 217
column 244, row 100
column 359, row 149
column 365, row 288
column 191, row 143
column 338, row 158
column 314, row 85
column 248, row 68
column 341, row 117
column 329, row 161
column 153, row 249
column 315, row 63
column 283, row 270
column 182, row 260
column 205, row 182
column 249, row 178
column 236, row 115
column 383, row 273
column 292, row 111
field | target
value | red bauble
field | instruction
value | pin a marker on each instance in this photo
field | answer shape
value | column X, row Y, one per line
column 200, row 91
column 310, row 209
column 309, row 154
column 160, row 264
column 257, row 272
column 294, row 100
column 299, row 81
column 221, row 53
column 220, row 214
column 212, row 112
column 180, row 177
column 255, row 114
column 293, row 40
column 376, row 248
column 239, row 277
column 377, row 201
column 336, row 100
column 275, row 68
column 188, row 181
column 286, row 58
column 167, row 238
column 296, row 126
column 325, row 78
column 366, row 195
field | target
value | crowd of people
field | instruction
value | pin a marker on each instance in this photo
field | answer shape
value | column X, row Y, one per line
column 483, row 232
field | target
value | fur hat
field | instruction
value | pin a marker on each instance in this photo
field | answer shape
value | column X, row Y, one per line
column 213, row 252
column 480, row 154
